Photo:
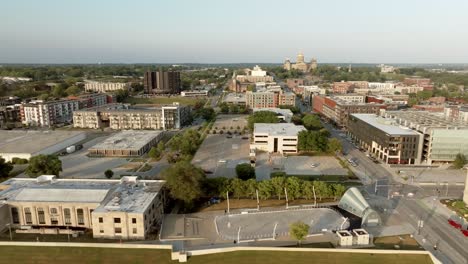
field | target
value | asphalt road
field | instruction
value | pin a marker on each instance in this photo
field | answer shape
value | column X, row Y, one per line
column 452, row 246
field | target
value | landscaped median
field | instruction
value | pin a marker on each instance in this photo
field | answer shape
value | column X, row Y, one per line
column 43, row 252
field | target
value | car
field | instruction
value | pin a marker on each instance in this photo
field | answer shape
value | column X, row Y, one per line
column 314, row 165
column 222, row 161
column 229, row 136
column 410, row 195
column 207, row 172
column 245, row 137
column 354, row 164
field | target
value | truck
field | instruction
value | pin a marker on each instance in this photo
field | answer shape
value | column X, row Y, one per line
column 73, row 148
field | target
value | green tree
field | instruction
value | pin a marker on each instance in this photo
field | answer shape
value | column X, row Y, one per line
column 234, row 109
column 73, row 90
column 44, row 165
column 312, row 122
column 460, row 161
column 265, row 189
column 184, row 181
column 278, row 184
column 154, row 153
column 224, row 108
column 299, row 231
column 294, row 187
column 338, row 190
column 59, row 90
column 244, row 171
column 121, row 95
column 334, row 145
column 207, row 113
column 262, row 117
column 238, row 187
column 321, row 189
column 109, row 173
column 312, row 141
column 308, row 190
column 5, row 168
column 251, row 87
column 250, row 188
column 161, row 147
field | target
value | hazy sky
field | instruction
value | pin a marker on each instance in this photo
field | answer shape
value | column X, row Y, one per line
column 157, row 31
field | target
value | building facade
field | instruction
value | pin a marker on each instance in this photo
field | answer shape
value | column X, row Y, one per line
column 103, row 87
column 118, row 116
column 386, row 140
column 116, row 209
column 269, row 99
column 126, row 143
column 162, row 82
column 300, row 64
column 276, row 138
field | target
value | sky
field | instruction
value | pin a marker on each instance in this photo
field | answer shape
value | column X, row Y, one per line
column 221, row 31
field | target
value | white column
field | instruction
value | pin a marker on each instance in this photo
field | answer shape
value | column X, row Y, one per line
column 465, row 193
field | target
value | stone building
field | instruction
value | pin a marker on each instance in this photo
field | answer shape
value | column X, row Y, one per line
column 300, row 64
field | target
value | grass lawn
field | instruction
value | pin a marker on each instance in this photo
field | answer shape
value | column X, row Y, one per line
column 46, row 255
column 252, row 203
column 458, row 206
column 404, row 242
column 163, row 100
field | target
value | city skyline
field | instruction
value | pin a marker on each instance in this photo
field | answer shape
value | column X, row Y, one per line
column 245, row 32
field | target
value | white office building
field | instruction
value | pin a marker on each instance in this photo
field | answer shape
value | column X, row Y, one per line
column 276, row 138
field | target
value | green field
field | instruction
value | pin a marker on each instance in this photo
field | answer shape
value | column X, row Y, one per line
column 163, row 100
column 46, row 255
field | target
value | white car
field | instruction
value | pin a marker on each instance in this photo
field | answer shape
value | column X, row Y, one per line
column 314, row 165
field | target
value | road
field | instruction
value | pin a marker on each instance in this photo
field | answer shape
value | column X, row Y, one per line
column 452, row 246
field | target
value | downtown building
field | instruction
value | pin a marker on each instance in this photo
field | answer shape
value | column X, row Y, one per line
column 48, row 113
column 276, row 138
column 115, row 209
column 269, row 99
column 338, row 108
column 162, row 82
column 120, row 116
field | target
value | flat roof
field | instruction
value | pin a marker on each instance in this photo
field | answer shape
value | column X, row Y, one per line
column 128, row 139
column 426, row 119
column 15, row 141
column 284, row 112
column 126, row 195
column 386, row 125
column 234, row 97
column 280, row 129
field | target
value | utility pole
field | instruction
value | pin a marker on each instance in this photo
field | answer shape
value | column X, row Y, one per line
column 286, row 195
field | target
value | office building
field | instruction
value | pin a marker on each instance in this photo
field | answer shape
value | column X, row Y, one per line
column 456, row 113
column 235, row 99
column 104, row 87
column 115, row 209
column 342, row 87
column 276, row 138
column 257, row 71
column 25, row 144
column 10, row 116
column 426, row 83
column 162, row 82
column 119, row 116
column 194, row 93
column 443, row 138
column 385, row 139
column 126, row 144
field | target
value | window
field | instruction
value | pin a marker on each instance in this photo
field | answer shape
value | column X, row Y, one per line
column 41, row 216
column 80, row 216
column 133, row 220
column 54, row 220
column 118, row 230
column 27, row 216
column 101, row 231
column 15, row 215
column 134, row 230
column 67, row 216
column 53, row 210
column 116, row 220
column 101, row 220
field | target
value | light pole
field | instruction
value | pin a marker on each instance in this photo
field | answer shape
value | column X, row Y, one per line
column 227, row 195
column 9, row 229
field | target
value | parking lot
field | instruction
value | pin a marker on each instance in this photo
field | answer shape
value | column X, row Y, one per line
column 298, row 165
column 219, row 154
column 263, row 225
column 78, row 165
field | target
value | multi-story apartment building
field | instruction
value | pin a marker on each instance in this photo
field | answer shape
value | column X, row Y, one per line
column 443, row 138
column 117, row 209
column 385, row 139
column 456, row 112
column 339, row 108
column 49, row 113
column 269, row 99
column 9, row 116
column 103, row 87
column 162, row 82
column 342, row 87
column 118, row 116
column 276, row 138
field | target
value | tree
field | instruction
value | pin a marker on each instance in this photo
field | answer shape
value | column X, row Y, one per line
column 250, row 188
column 109, row 173
column 44, row 165
column 338, row 190
column 251, row 87
column 262, row 117
column 5, row 168
column 299, row 231
column 334, row 145
column 161, row 147
column 293, row 187
column 321, row 189
column 277, row 184
column 238, row 187
column 224, row 108
column 234, row 109
column 121, row 95
column 244, row 171
column 265, row 189
column 154, row 153
column 207, row 113
column 460, row 161
column 312, row 141
column 312, row 122
column 73, row 90
column 184, row 181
